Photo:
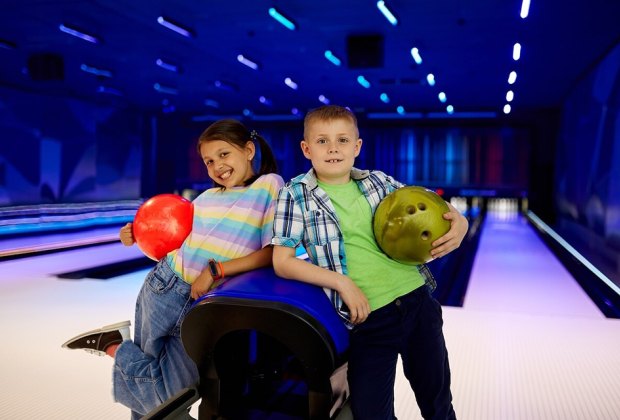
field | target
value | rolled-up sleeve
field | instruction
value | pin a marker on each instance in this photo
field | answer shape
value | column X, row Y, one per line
column 288, row 226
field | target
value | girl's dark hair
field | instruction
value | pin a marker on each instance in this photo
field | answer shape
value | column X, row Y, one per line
column 235, row 133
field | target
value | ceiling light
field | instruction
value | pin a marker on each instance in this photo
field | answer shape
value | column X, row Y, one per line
column 430, row 79
column 221, row 84
column 245, row 61
column 173, row 26
column 516, row 52
column 384, row 98
column 97, row 72
column 263, row 100
column 450, row 109
column 165, row 89
column 109, row 90
column 416, row 55
column 78, row 34
column 290, row 83
column 507, row 109
column 512, row 77
column 400, row 109
column 212, row 103
column 324, row 99
column 331, row 57
column 167, row 66
column 510, row 96
column 294, row 111
column 387, row 13
column 287, row 23
column 525, row 9
column 442, row 97
column 362, row 81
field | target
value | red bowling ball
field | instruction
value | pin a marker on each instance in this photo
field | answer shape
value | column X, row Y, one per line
column 161, row 224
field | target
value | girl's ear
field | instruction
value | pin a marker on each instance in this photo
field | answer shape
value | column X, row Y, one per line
column 250, row 150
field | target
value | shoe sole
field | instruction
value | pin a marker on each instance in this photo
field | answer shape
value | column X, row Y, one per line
column 104, row 329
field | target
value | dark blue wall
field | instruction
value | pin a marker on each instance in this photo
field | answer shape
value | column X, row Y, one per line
column 60, row 150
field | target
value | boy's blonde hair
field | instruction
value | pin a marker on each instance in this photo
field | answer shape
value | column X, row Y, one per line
column 329, row 113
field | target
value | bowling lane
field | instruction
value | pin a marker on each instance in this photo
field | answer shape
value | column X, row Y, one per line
column 515, row 272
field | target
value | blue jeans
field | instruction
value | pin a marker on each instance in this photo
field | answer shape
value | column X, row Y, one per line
column 412, row 327
column 154, row 366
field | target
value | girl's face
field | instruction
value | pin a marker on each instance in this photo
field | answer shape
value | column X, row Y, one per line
column 227, row 164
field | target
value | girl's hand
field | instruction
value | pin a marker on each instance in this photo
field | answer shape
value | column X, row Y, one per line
column 355, row 300
column 202, row 284
column 126, row 235
column 453, row 238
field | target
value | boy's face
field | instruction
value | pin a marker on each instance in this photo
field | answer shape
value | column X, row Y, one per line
column 332, row 147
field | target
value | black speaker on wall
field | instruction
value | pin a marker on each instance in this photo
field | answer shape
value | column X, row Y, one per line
column 365, row 51
column 46, row 66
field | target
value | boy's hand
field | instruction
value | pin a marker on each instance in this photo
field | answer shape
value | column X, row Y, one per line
column 453, row 238
column 355, row 300
column 126, row 235
column 202, row 284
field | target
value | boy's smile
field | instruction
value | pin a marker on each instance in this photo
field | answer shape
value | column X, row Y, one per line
column 332, row 147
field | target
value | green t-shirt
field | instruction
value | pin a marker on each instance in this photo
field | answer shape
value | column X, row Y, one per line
column 381, row 278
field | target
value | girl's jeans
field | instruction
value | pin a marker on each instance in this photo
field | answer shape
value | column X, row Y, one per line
column 154, row 366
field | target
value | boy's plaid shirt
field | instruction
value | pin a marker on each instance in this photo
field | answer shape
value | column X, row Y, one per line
column 304, row 214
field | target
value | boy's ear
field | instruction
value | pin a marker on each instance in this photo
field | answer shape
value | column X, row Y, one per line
column 358, row 147
column 305, row 149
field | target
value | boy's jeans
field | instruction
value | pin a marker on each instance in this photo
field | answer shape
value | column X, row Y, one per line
column 154, row 366
column 412, row 327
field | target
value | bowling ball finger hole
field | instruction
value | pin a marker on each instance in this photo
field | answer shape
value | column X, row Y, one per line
column 411, row 209
column 426, row 235
column 421, row 206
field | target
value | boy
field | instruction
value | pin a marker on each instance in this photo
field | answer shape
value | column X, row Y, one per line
column 386, row 304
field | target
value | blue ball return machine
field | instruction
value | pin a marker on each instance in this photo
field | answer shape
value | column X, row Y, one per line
column 266, row 348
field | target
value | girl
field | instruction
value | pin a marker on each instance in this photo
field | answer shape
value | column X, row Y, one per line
column 231, row 234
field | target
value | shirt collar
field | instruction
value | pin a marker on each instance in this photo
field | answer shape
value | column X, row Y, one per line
column 309, row 178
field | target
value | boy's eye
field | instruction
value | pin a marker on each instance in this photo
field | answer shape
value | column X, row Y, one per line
column 224, row 154
column 208, row 162
column 321, row 141
column 343, row 140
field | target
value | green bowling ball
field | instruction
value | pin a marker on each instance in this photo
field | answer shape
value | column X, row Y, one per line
column 407, row 221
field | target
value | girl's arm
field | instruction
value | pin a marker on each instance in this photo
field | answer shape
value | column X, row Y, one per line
column 256, row 259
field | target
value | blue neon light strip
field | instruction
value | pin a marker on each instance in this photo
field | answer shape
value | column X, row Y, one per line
column 78, row 34
column 387, row 13
column 95, row 71
column 331, row 57
column 281, row 19
column 174, row 27
column 543, row 226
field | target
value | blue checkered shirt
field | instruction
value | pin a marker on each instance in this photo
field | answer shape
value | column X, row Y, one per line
column 305, row 215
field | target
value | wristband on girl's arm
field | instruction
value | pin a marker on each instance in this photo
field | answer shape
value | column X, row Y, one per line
column 216, row 269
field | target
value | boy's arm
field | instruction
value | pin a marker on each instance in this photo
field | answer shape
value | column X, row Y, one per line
column 287, row 265
column 453, row 238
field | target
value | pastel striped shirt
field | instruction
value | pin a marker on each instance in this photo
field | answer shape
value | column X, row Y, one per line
column 228, row 224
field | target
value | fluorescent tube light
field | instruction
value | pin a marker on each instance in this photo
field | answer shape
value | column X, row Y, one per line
column 245, row 61
column 167, row 66
column 78, row 34
column 287, row 23
column 415, row 53
column 387, row 13
column 516, row 52
column 167, row 23
column 331, row 57
column 165, row 89
column 510, row 95
column 525, row 9
column 512, row 77
column 97, row 72
column 362, row 81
